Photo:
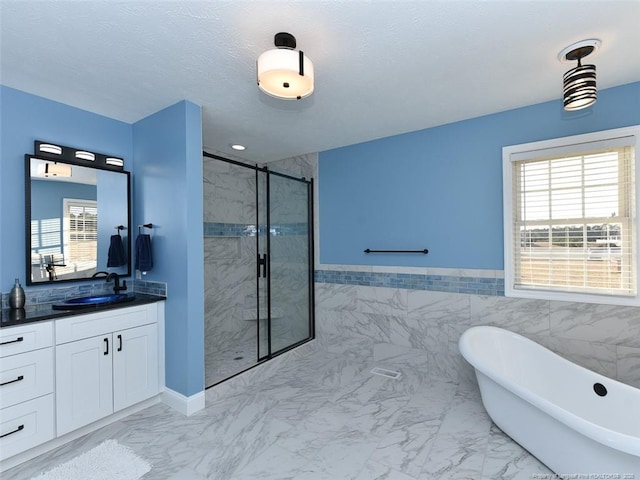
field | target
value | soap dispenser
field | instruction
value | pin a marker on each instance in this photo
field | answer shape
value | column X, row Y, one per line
column 16, row 295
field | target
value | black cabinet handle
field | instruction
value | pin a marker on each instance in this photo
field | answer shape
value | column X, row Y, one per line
column 21, row 377
column 20, row 427
column 120, row 344
column 19, row 339
column 106, row 341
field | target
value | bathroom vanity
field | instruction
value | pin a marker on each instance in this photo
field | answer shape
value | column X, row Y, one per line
column 65, row 373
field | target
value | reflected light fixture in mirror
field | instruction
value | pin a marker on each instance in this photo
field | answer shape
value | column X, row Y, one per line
column 285, row 72
column 54, row 170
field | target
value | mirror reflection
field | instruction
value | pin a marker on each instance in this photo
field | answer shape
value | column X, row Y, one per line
column 77, row 221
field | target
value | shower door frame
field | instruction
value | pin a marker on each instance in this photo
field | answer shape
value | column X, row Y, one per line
column 311, row 267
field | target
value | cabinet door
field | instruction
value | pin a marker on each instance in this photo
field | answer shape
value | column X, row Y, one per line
column 135, row 365
column 84, row 379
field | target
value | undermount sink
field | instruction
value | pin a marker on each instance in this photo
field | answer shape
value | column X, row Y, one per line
column 93, row 301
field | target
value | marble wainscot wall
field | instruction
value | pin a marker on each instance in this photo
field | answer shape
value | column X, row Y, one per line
column 412, row 318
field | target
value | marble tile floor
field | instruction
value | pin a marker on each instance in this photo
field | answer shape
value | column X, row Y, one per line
column 234, row 358
column 322, row 415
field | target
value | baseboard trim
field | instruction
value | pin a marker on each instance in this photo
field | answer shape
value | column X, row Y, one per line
column 185, row 405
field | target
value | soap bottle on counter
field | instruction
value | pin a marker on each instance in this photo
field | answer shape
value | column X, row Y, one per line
column 16, row 295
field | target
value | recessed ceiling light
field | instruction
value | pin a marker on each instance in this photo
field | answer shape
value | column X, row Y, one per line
column 238, row 147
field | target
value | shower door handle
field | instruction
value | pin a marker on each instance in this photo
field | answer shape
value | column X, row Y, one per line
column 262, row 265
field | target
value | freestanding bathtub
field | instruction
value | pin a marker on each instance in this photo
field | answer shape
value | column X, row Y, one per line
column 573, row 420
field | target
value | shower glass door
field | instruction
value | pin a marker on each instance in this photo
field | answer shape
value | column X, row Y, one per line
column 258, row 265
column 290, row 261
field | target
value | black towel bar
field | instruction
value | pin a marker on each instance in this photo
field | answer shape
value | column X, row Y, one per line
column 424, row 251
column 146, row 225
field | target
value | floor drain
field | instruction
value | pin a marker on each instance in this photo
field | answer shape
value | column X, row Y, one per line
column 386, row 373
column 238, row 358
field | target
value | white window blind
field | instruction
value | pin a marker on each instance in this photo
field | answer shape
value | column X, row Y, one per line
column 80, row 232
column 572, row 219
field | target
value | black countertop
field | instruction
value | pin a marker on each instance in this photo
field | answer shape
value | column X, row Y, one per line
column 37, row 313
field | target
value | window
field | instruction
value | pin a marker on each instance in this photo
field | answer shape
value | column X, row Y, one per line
column 570, row 218
column 80, row 234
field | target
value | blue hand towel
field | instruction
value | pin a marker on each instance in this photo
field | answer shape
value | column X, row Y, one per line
column 144, row 257
column 116, row 256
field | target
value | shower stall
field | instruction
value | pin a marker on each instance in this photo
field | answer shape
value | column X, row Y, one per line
column 258, row 229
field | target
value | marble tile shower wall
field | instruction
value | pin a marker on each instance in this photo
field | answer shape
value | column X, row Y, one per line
column 420, row 327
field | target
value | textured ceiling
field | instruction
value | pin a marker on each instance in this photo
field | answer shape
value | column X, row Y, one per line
column 382, row 68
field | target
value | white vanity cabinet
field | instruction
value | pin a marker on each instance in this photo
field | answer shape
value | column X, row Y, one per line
column 105, row 362
column 26, row 387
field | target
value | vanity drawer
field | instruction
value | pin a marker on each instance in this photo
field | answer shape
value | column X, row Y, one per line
column 26, row 425
column 26, row 376
column 79, row 327
column 24, row 338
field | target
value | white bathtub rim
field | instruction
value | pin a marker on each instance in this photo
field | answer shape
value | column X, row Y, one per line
column 610, row 438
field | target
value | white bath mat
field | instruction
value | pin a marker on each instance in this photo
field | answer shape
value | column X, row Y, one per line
column 107, row 461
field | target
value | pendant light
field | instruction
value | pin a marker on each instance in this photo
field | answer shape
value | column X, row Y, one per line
column 579, row 83
column 285, row 72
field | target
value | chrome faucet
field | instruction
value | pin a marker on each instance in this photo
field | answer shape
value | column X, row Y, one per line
column 117, row 288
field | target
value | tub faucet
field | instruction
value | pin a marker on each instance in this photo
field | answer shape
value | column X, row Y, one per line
column 117, row 288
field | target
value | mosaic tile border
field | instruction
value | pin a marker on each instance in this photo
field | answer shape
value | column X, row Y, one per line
column 439, row 283
column 40, row 295
column 218, row 229
column 149, row 287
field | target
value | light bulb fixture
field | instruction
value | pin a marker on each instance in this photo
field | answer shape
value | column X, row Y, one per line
column 52, row 151
column 82, row 155
column 237, row 146
column 285, row 72
column 116, row 162
column 579, row 83
column 50, row 148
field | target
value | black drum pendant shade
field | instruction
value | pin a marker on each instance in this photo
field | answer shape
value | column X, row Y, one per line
column 579, row 83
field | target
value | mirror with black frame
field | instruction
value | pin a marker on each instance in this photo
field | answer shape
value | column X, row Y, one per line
column 78, row 221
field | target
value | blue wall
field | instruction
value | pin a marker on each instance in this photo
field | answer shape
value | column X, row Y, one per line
column 168, row 193
column 23, row 119
column 47, row 197
column 441, row 188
